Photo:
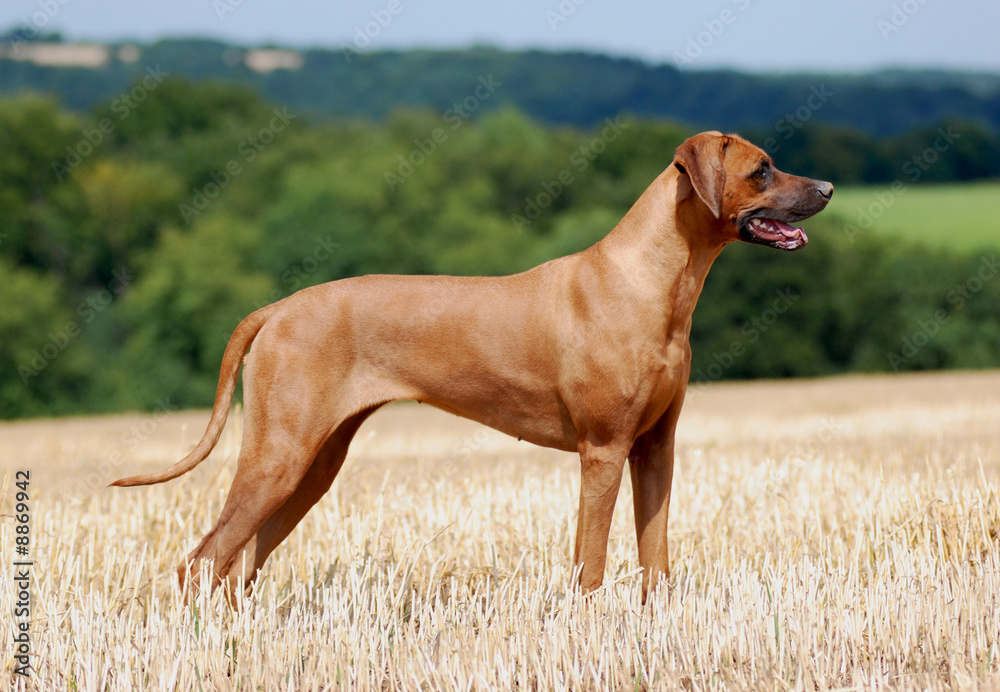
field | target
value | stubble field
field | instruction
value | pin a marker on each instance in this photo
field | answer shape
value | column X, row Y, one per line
column 840, row 533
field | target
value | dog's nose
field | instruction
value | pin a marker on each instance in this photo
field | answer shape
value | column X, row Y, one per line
column 824, row 188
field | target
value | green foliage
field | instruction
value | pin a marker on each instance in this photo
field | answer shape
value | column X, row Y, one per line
column 128, row 201
column 129, row 261
column 871, row 305
column 45, row 366
column 193, row 288
column 33, row 135
column 572, row 88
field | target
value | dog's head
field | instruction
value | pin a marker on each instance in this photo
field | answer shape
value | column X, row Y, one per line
column 751, row 199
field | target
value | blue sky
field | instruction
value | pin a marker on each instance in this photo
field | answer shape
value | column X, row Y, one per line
column 843, row 35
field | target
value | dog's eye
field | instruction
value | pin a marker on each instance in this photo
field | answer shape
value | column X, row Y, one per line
column 763, row 172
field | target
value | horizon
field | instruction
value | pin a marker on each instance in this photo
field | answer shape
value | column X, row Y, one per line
column 886, row 68
column 781, row 37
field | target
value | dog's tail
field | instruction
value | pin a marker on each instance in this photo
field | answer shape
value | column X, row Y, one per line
column 237, row 347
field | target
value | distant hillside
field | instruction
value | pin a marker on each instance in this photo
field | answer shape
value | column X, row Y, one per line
column 562, row 88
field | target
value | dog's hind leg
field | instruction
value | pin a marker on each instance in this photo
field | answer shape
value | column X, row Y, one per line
column 311, row 488
column 279, row 476
column 268, row 472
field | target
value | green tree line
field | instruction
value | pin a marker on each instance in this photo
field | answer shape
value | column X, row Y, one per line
column 136, row 236
column 354, row 79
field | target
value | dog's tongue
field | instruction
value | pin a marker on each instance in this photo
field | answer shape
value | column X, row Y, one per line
column 777, row 231
column 789, row 231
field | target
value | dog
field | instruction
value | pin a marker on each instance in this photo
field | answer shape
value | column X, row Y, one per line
column 587, row 353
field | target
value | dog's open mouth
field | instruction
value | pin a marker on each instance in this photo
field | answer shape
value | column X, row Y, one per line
column 774, row 233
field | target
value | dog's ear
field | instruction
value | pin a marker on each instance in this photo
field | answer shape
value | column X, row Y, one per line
column 702, row 158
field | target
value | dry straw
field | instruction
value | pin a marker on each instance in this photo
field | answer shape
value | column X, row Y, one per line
column 830, row 534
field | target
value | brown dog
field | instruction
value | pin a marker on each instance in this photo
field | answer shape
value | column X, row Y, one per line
column 586, row 353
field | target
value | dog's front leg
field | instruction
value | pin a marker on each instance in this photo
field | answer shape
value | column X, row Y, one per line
column 601, row 476
column 651, row 463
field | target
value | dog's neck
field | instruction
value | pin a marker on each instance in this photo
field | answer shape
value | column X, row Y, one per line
column 662, row 263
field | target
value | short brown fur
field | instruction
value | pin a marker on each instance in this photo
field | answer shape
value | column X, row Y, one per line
column 587, row 353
